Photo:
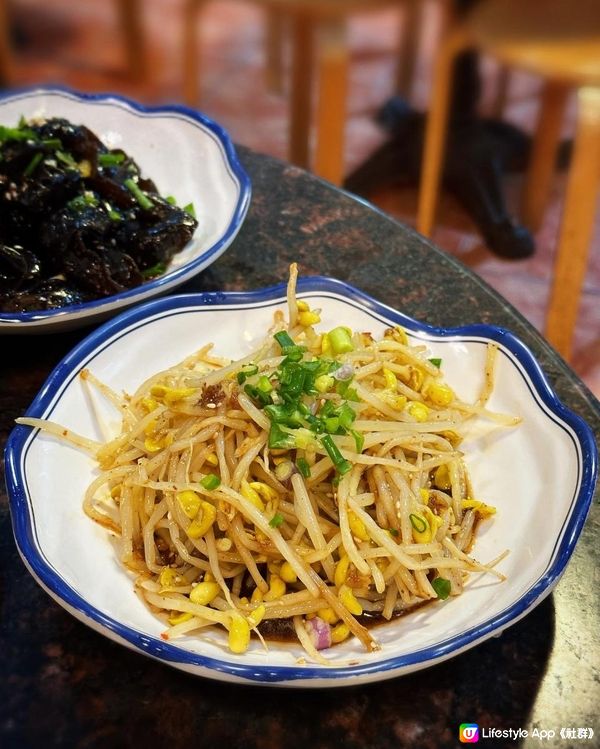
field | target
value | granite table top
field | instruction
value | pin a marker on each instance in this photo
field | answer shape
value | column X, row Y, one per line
column 64, row 685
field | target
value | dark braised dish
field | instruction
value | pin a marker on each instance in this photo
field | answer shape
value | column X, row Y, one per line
column 77, row 220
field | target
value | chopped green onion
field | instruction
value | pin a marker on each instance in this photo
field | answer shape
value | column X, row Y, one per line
column 264, row 384
column 359, row 440
column 155, row 270
column 441, row 587
column 140, row 196
column 30, row 168
column 347, row 416
column 52, row 143
column 189, row 209
column 436, row 362
column 111, row 159
column 22, row 122
column 340, row 340
column 393, row 532
column 276, row 520
column 116, row 216
column 283, row 339
column 171, row 200
column 67, row 159
column 418, row 523
column 303, row 467
column 280, row 439
column 210, row 481
column 332, row 424
column 246, row 371
column 341, row 464
column 14, row 133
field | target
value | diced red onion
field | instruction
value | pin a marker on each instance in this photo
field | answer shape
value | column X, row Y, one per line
column 319, row 632
column 345, row 372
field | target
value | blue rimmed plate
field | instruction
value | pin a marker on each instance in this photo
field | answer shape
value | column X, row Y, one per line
column 540, row 475
column 186, row 154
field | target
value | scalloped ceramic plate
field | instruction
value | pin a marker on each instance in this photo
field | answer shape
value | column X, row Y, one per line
column 186, row 154
column 540, row 476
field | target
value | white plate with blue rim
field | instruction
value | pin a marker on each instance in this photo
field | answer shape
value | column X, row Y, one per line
column 185, row 153
column 540, row 476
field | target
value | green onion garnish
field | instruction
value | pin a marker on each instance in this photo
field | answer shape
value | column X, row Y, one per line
column 17, row 133
column 393, row 532
column 246, row 371
column 340, row 340
column 52, row 143
column 418, row 523
column 283, row 339
column 436, row 362
column 276, row 520
column 155, row 270
column 189, row 209
column 67, row 159
column 30, row 168
column 441, row 587
column 342, row 466
column 171, row 200
column 359, row 440
column 303, row 467
column 111, row 159
column 140, row 196
column 210, row 481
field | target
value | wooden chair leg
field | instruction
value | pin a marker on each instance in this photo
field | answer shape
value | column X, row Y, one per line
column 501, row 93
column 301, row 89
column 409, row 47
column 192, row 54
column 435, row 134
column 274, row 41
column 130, row 16
column 543, row 156
column 331, row 99
column 577, row 224
column 5, row 45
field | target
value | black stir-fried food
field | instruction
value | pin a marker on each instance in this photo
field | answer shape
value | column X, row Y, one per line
column 77, row 220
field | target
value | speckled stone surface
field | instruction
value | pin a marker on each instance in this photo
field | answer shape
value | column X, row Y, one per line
column 63, row 685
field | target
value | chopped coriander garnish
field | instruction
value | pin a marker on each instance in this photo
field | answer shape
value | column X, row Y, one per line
column 141, row 197
column 441, row 587
column 276, row 520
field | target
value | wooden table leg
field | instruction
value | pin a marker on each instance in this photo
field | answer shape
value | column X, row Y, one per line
column 543, row 156
column 408, row 51
column 436, row 131
column 5, row 45
column 192, row 53
column 331, row 99
column 301, row 89
column 130, row 15
column 274, row 42
column 577, row 224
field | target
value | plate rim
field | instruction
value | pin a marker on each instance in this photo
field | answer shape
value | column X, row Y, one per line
column 12, row 320
column 21, row 437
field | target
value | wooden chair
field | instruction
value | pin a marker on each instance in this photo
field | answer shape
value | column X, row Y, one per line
column 129, row 14
column 319, row 51
column 560, row 41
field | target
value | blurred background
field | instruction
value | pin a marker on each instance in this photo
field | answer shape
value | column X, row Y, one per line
column 342, row 86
